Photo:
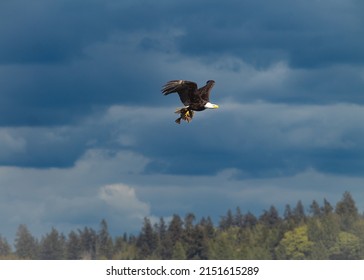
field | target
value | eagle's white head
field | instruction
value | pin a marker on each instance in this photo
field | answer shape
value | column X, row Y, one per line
column 210, row 105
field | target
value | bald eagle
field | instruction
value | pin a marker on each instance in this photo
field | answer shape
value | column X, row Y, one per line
column 194, row 99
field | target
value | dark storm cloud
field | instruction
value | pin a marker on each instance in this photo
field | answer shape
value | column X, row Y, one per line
column 48, row 76
column 42, row 146
column 306, row 34
column 62, row 60
column 51, row 31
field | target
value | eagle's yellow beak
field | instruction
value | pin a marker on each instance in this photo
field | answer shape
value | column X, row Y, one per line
column 216, row 106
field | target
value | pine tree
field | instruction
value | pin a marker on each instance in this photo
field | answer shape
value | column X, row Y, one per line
column 189, row 220
column 288, row 214
column 327, row 208
column 88, row 240
column 208, row 227
column 239, row 218
column 249, row 220
column 347, row 211
column 104, row 242
column 52, row 246
column 205, row 232
column 175, row 229
column 5, row 248
column 73, row 246
column 147, row 241
column 288, row 218
column 161, row 228
column 315, row 209
column 299, row 215
column 192, row 237
column 271, row 217
column 227, row 221
column 26, row 246
column 164, row 242
column 195, row 240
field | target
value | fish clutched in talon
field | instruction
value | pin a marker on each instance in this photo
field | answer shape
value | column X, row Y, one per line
column 185, row 114
column 195, row 99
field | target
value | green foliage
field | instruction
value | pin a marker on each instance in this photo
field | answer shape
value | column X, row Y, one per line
column 178, row 252
column 295, row 244
column 325, row 233
column 347, row 247
column 225, row 244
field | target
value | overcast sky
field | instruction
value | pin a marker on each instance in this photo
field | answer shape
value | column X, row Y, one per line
column 86, row 134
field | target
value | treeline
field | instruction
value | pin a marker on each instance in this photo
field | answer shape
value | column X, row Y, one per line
column 324, row 232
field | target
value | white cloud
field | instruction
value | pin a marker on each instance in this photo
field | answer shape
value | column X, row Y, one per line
column 109, row 162
column 124, row 200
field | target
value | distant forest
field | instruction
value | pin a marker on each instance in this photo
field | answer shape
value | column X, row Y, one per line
column 324, row 232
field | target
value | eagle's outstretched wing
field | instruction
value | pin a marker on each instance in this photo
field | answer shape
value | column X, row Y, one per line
column 205, row 90
column 185, row 89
